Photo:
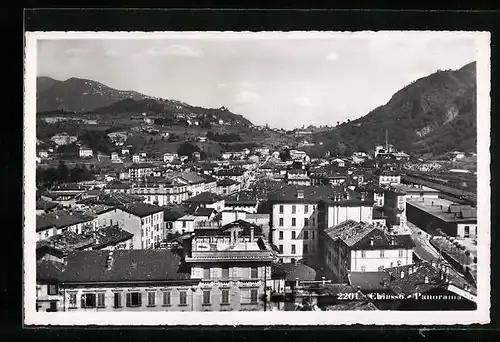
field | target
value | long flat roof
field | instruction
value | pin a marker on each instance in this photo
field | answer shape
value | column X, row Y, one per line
column 438, row 207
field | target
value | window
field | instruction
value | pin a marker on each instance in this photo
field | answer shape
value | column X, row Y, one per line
column 206, row 273
column 225, row 296
column 281, row 235
column 294, row 220
column 381, row 254
column 52, row 289
column 101, row 300
column 293, row 249
column 400, row 253
column 253, row 295
column 280, row 248
column 363, row 254
column 166, row 298
column 306, row 248
column 134, row 299
column 88, row 300
column 306, row 235
column 281, row 209
column 183, row 224
column 183, row 298
column 72, row 299
column 306, row 208
column 293, row 234
column 151, row 298
column 312, row 235
column 206, row 297
column 254, row 273
column 306, row 222
column 363, row 268
column 294, row 209
column 117, row 300
column 313, row 221
column 281, row 222
column 225, row 273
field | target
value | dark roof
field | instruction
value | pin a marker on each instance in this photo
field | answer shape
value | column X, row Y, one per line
column 208, row 178
column 55, row 195
column 173, row 212
column 109, row 236
column 230, row 173
column 226, row 182
column 117, row 185
column 414, row 282
column 45, row 205
column 378, row 213
column 312, row 194
column 205, row 197
column 126, row 265
column 48, row 270
column 369, row 281
column 67, row 241
column 68, row 186
column 60, row 219
column 468, row 213
column 141, row 166
column 300, row 271
column 204, row 212
column 112, row 199
column 141, row 209
column 381, row 239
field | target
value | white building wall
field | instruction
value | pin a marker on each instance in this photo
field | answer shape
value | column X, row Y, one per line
column 337, row 214
column 374, row 260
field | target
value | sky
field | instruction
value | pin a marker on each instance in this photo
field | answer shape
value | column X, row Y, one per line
column 283, row 80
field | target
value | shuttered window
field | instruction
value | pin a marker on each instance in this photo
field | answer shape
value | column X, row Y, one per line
column 117, row 300
column 134, row 299
column 101, row 300
column 182, row 298
column 166, row 298
column 225, row 296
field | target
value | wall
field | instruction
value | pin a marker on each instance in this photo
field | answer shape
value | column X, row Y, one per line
column 427, row 222
column 472, row 230
column 372, row 260
column 43, row 299
column 300, row 241
column 338, row 214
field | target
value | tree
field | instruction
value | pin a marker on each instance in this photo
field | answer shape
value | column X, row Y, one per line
column 187, row 149
column 80, row 174
column 285, row 155
column 62, row 172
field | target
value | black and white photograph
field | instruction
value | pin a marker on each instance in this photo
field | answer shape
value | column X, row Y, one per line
column 192, row 178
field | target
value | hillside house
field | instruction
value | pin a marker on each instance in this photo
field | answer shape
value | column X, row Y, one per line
column 85, row 152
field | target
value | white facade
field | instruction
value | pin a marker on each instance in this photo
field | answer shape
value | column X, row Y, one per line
column 377, row 260
column 295, row 230
column 338, row 214
column 389, row 179
column 467, row 230
column 169, row 157
column 85, row 152
column 136, row 158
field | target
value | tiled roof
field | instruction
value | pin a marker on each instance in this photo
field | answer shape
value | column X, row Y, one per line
column 54, row 195
column 173, row 212
column 109, row 236
column 113, row 199
column 60, row 219
column 244, row 225
column 141, row 209
column 230, row 173
column 312, row 194
column 226, row 182
column 192, row 177
column 414, row 282
column 48, row 270
column 205, row 198
column 45, row 205
column 68, row 186
column 204, row 212
column 297, row 271
column 127, row 265
column 369, row 281
column 67, row 241
column 117, row 185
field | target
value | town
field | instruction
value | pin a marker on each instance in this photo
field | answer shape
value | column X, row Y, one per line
column 263, row 228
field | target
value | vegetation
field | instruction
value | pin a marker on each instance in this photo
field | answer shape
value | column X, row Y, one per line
column 97, row 141
column 52, row 176
column 223, row 137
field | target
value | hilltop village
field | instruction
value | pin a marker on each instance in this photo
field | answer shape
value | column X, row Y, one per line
column 258, row 229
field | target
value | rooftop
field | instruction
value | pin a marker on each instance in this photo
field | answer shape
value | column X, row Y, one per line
column 60, row 219
column 205, row 198
column 142, row 209
column 440, row 208
column 126, row 265
column 311, row 194
column 109, row 236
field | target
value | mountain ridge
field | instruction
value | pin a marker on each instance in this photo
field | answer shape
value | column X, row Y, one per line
column 433, row 114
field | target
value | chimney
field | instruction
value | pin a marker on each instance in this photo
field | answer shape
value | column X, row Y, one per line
column 300, row 193
column 252, row 233
column 109, row 260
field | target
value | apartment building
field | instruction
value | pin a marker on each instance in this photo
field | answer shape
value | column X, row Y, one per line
column 127, row 280
column 294, row 220
column 353, row 246
column 160, row 192
column 395, row 209
column 234, row 265
column 139, row 171
column 58, row 222
column 144, row 221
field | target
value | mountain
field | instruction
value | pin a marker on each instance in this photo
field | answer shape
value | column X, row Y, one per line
column 78, row 95
column 170, row 108
column 433, row 114
column 43, row 83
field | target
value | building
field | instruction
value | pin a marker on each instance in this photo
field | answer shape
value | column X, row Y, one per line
column 294, row 220
column 128, row 280
column 361, row 247
column 125, row 150
column 416, row 191
column 58, row 222
column 389, row 178
column 48, row 296
column 144, row 221
column 136, row 158
column 85, row 152
column 139, row 171
column 298, row 177
column 395, row 209
column 169, row 157
column 234, row 264
column 227, row 186
column 206, row 200
column 429, row 214
column 160, row 191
